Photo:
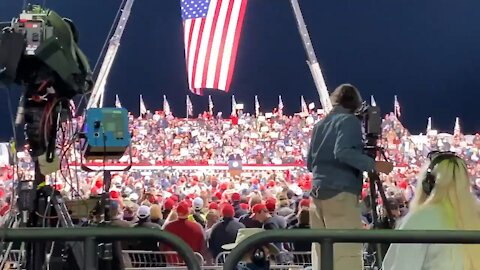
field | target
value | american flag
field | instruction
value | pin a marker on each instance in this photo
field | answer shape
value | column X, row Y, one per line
column 210, row 105
column 166, row 106
column 396, row 107
column 212, row 31
column 234, row 106
column 372, row 101
column 280, row 105
column 457, row 130
column 189, row 107
column 303, row 104
column 118, row 104
column 143, row 108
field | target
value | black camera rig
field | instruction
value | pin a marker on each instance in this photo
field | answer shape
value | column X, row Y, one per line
column 372, row 124
column 39, row 51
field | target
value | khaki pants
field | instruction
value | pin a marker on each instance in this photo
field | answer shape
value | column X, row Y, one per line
column 339, row 212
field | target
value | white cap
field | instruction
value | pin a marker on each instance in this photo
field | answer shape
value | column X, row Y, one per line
column 143, row 211
column 133, row 197
column 197, row 203
column 127, row 191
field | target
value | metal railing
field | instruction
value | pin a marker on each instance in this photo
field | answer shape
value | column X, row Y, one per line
column 90, row 235
column 328, row 237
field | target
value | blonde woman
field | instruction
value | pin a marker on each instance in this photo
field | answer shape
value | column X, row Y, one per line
column 443, row 201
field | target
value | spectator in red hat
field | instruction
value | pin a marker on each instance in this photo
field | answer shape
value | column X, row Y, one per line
column 167, row 207
column 260, row 213
column 236, row 198
column 189, row 231
column 303, row 205
column 213, row 206
column 247, row 219
column 275, row 221
column 244, row 206
column 225, row 231
column 217, row 197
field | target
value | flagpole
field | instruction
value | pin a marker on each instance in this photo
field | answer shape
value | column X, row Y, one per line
column 186, row 102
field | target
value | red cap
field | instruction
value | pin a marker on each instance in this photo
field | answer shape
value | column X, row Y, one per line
column 236, row 197
column 168, row 204
column 244, row 206
column 114, row 194
column 270, row 205
column 183, row 209
column 403, row 184
column 218, row 195
column 271, row 183
column 223, row 186
column 228, row 211
column 258, row 208
column 98, row 184
column 305, row 203
column 213, row 206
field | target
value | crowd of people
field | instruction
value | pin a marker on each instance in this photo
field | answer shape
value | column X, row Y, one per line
column 274, row 195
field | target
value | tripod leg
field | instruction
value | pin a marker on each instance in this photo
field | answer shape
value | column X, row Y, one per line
column 373, row 203
column 36, row 251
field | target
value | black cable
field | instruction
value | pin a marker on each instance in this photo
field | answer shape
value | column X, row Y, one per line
column 107, row 40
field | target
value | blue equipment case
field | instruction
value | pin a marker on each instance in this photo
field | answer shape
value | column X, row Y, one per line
column 106, row 133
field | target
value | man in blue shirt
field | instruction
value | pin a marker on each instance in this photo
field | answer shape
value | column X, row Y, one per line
column 337, row 161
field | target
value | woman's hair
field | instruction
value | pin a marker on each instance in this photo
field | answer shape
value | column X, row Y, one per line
column 156, row 212
column 172, row 216
column 303, row 217
column 212, row 217
column 452, row 193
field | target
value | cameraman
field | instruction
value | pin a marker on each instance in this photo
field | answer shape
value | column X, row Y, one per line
column 337, row 161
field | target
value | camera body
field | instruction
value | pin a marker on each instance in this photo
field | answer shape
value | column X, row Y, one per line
column 41, row 46
column 34, row 27
column 372, row 124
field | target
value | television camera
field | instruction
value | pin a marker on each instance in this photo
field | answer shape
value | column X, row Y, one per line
column 372, row 125
column 39, row 51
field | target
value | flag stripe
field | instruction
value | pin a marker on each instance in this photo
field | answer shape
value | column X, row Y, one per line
column 197, row 49
column 205, row 37
column 233, row 22
column 238, row 32
column 222, row 43
column 218, row 4
column 212, row 68
column 189, row 24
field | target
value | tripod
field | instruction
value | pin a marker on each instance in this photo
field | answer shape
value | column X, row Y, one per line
column 48, row 201
column 376, row 187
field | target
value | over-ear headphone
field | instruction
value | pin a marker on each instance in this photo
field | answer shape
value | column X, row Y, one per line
column 259, row 257
column 435, row 158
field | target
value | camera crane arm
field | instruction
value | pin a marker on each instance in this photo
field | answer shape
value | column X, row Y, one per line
column 98, row 92
column 312, row 61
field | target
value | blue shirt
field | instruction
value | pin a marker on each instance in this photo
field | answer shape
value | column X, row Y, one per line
column 336, row 156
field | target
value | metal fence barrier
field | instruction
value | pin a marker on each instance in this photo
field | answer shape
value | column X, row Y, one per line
column 328, row 237
column 90, row 235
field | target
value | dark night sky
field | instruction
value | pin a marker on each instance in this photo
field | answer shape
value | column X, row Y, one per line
column 427, row 52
